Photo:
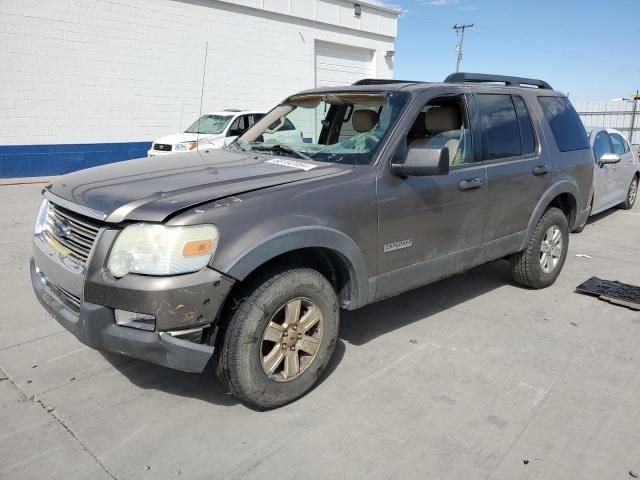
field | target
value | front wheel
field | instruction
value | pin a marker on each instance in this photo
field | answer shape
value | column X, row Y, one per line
column 540, row 263
column 276, row 343
column 632, row 193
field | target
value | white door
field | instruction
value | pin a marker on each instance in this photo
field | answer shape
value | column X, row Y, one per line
column 625, row 170
column 338, row 65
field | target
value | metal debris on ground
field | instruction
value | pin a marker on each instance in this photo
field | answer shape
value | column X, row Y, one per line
column 582, row 255
column 614, row 292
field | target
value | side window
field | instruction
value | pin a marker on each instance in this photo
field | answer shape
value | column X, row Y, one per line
column 618, row 143
column 527, row 136
column 238, row 126
column 601, row 146
column 500, row 128
column 443, row 122
column 565, row 123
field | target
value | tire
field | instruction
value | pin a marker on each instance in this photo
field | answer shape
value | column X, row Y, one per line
column 527, row 266
column 632, row 193
column 246, row 349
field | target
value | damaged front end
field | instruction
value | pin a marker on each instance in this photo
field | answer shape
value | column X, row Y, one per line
column 159, row 318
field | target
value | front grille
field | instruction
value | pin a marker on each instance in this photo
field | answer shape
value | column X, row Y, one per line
column 74, row 232
column 69, row 299
column 163, row 147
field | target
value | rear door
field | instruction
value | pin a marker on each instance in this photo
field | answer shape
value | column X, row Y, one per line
column 625, row 170
column 517, row 175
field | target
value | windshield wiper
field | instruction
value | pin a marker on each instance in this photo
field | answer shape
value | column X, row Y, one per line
column 279, row 147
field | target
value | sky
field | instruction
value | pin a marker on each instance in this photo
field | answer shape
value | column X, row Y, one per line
column 589, row 49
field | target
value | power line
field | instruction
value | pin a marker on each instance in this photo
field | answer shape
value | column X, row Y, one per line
column 459, row 28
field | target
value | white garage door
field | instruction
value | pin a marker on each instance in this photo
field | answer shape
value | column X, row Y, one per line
column 338, row 65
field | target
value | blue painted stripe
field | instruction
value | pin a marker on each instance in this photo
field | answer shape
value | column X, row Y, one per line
column 44, row 160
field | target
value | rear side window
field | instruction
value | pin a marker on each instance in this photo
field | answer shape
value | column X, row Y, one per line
column 501, row 131
column 618, row 143
column 565, row 124
column 526, row 128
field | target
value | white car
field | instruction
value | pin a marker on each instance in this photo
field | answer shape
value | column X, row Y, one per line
column 617, row 170
column 219, row 129
column 216, row 129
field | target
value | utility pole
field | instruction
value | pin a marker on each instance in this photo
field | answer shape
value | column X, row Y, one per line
column 634, row 112
column 459, row 28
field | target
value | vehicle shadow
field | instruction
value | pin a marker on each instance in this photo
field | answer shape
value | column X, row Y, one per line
column 357, row 328
column 361, row 326
column 601, row 216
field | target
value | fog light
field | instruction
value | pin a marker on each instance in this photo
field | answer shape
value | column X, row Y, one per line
column 141, row 321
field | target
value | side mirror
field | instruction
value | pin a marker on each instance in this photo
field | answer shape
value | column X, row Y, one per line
column 421, row 162
column 609, row 158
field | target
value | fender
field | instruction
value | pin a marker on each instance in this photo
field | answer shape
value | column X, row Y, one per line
column 305, row 237
column 556, row 189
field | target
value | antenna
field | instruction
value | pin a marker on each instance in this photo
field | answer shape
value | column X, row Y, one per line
column 204, row 75
column 459, row 28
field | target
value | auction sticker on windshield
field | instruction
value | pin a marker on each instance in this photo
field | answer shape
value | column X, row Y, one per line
column 292, row 163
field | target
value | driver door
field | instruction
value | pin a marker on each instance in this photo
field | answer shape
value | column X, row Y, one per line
column 431, row 227
column 604, row 180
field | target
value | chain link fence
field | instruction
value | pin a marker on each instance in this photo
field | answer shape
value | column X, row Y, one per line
column 623, row 115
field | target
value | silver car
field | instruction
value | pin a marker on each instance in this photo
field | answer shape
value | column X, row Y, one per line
column 615, row 178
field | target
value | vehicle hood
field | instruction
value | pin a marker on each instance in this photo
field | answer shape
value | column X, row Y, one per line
column 151, row 189
column 185, row 137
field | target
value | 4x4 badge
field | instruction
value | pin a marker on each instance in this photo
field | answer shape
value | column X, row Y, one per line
column 390, row 247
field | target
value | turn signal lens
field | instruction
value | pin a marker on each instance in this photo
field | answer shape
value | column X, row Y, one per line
column 198, row 247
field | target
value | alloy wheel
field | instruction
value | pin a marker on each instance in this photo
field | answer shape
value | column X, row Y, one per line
column 291, row 339
column 633, row 191
column 551, row 249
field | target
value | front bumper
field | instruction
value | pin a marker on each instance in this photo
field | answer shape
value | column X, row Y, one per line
column 95, row 325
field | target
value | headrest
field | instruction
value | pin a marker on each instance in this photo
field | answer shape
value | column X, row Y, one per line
column 364, row 120
column 442, row 119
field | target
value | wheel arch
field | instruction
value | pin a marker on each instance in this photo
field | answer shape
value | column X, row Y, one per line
column 564, row 196
column 327, row 250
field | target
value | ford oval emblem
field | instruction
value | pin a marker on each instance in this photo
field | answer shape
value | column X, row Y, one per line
column 62, row 228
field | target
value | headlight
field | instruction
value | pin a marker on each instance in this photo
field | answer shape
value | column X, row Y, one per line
column 161, row 250
column 41, row 219
column 185, row 146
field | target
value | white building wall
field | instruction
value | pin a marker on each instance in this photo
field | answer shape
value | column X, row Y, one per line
column 97, row 71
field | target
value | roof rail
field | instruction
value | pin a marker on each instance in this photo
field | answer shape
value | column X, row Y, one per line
column 382, row 81
column 462, row 77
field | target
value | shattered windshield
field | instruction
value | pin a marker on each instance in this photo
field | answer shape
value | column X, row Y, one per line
column 328, row 127
column 210, row 124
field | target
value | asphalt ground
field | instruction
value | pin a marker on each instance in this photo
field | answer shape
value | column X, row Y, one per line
column 469, row 378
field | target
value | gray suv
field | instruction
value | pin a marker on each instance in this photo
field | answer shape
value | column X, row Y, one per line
column 243, row 257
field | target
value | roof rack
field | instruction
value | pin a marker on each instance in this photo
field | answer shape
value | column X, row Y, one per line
column 462, row 77
column 382, row 81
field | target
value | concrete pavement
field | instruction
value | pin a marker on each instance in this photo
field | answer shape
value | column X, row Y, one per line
column 472, row 378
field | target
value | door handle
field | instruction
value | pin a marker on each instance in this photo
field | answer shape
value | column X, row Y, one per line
column 470, row 183
column 541, row 170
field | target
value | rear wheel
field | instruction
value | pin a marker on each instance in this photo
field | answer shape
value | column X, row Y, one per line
column 632, row 193
column 275, row 345
column 540, row 263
